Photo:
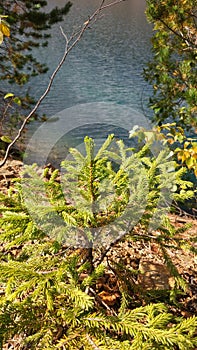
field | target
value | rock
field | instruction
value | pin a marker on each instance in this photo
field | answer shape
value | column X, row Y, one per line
column 154, row 276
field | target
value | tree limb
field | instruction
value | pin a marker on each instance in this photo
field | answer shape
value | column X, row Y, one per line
column 69, row 45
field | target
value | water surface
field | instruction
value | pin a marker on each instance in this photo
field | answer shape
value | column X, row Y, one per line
column 103, row 72
column 106, row 65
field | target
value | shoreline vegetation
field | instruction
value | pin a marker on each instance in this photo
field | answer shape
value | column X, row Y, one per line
column 89, row 258
column 137, row 262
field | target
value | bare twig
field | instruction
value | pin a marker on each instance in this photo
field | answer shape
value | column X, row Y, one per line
column 110, row 246
column 94, row 346
column 102, row 302
column 69, row 45
column 111, row 4
column 180, row 35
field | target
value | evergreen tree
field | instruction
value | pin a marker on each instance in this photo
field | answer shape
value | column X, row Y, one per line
column 49, row 293
column 28, row 23
column 24, row 27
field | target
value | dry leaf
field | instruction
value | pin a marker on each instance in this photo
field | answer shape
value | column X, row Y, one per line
column 109, row 298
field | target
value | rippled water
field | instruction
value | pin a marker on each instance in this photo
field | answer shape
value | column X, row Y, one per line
column 106, row 65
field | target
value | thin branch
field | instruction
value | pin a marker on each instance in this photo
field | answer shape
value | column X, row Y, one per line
column 95, row 347
column 36, row 106
column 110, row 246
column 180, row 36
column 111, row 4
column 102, row 302
column 70, row 44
